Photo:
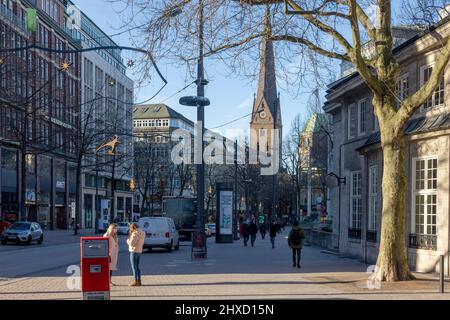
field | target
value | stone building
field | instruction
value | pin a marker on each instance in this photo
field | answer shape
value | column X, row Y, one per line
column 39, row 106
column 356, row 157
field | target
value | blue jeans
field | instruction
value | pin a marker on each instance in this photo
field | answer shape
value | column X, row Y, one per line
column 135, row 258
column 252, row 239
column 272, row 240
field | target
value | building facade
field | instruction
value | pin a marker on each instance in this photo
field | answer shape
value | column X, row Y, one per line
column 39, row 108
column 106, row 109
column 155, row 174
column 356, row 156
column 313, row 156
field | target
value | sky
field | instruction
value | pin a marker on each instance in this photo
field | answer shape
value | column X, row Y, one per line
column 231, row 98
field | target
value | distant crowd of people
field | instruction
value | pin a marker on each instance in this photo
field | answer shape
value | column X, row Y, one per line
column 249, row 229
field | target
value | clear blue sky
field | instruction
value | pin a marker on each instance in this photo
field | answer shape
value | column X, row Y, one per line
column 230, row 98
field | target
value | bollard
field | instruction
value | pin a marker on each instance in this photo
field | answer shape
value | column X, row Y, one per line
column 441, row 274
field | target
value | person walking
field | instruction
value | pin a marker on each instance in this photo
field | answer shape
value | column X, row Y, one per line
column 135, row 245
column 262, row 230
column 273, row 233
column 295, row 241
column 246, row 232
column 253, row 230
column 111, row 233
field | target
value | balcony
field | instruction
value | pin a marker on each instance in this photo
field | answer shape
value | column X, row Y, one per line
column 354, row 233
column 9, row 15
column 423, row 241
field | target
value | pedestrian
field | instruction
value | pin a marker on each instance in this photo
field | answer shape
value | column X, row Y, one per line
column 135, row 245
column 113, row 249
column 246, row 232
column 273, row 233
column 262, row 230
column 295, row 241
column 253, row 230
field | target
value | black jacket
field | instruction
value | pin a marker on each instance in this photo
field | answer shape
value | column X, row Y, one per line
column 253, row 229
column 273, row 230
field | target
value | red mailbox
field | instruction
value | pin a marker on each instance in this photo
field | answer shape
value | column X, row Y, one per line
column 95, row 268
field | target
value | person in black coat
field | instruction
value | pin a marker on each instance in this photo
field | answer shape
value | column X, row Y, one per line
column 273, row 233
column 262, row 230
column 253, row 230
column 246, row 232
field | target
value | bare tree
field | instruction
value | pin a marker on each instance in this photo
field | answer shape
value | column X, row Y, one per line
column 424, row 13
column 233, row 28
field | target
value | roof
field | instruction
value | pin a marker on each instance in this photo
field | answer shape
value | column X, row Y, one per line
column 267, row 81
column 315, row 123
column 421, row 32
column 417, row 125
column 157, row 111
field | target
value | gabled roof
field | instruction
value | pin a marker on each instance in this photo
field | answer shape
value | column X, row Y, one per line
column 413, row 126
column 157, row 111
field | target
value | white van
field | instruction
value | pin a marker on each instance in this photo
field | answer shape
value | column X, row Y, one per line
column 160, row 233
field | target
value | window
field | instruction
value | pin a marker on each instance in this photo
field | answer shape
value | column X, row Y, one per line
column 352, row 119
column 165, row 123
column 373, row 198
column 425, row 196
column 262, row 132
column 437, row 99
column 402, row 88
column 362, row 116
column 355, row 201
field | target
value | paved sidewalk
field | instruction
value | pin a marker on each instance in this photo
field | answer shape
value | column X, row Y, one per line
column 233, row 271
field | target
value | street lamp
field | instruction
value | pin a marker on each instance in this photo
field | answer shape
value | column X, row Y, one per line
column 199, row 101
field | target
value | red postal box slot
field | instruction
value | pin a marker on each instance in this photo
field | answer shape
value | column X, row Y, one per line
column 95, row 268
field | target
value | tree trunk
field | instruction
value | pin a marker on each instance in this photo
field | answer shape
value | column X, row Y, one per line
column 78, row 194
column 23, row 185
column 392, row 264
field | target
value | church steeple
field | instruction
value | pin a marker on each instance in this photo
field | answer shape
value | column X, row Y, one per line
column 267, row 86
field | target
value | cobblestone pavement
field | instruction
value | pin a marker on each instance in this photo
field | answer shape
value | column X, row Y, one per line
column 231, row 271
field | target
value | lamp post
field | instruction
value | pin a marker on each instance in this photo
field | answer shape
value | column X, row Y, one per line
column 199, row 101
column 97, row 207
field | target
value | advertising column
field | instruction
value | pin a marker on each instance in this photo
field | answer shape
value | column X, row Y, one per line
column 224, row 217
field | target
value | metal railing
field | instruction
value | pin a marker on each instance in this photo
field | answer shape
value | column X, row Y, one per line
column 354, row 233
column 423, row 241
column 9, row 15
column 371, row 236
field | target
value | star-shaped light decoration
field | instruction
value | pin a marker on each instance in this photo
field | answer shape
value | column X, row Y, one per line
column 65, row 65
column 130, row 63
column 112, row 83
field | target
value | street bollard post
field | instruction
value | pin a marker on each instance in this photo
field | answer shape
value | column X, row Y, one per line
column 441, row 274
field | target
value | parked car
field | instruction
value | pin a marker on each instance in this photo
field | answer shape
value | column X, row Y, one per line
column 207, row 231
column 123, row 227
column 212, row 227
column 23, row 232
column 4, row 225
column 160, row 233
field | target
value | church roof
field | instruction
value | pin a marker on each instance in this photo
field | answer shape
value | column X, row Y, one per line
column 267, row 82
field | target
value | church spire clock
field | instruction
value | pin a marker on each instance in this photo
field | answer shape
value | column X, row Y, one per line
column 266, row 114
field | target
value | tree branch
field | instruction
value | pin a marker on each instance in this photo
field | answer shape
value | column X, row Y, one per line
column 413, row 102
